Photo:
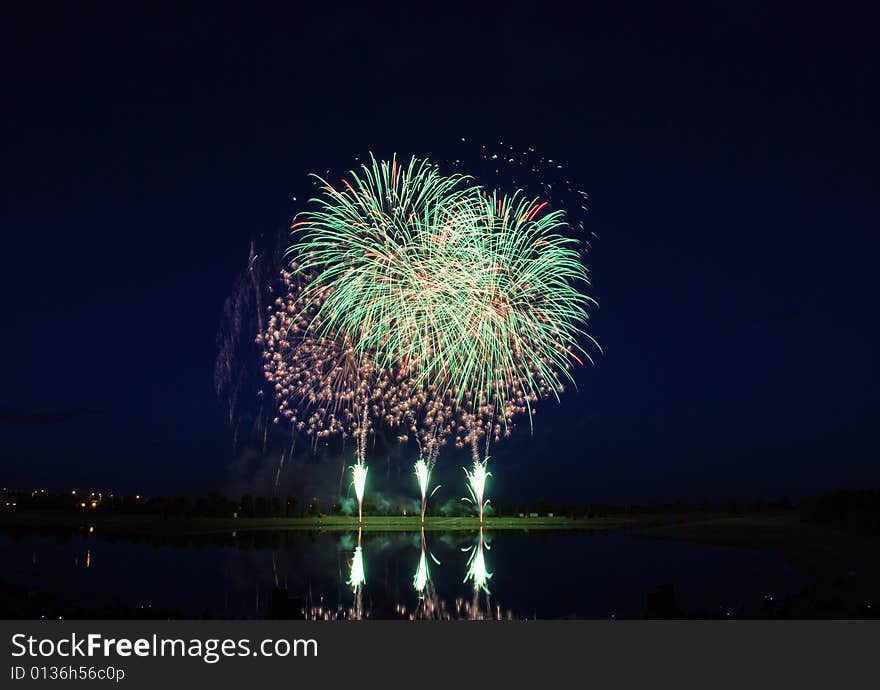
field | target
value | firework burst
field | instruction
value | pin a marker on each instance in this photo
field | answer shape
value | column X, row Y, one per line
column 477, row 293
column 421, row 299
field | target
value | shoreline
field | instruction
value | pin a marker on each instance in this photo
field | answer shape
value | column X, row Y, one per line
column 146, row 525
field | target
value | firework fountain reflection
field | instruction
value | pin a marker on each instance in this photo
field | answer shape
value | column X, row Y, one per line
column 429, row 605
column 479, row 575
column 478, row 572
column 357, row 579
column 422, row 574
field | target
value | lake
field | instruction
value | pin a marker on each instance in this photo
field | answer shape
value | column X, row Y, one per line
column 333, row 575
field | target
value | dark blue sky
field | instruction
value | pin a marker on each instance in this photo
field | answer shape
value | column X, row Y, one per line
column 730, row 155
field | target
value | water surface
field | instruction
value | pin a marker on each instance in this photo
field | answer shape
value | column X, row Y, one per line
column 520, row 575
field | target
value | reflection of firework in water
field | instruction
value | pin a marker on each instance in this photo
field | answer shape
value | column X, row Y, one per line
column 357, row 578
column 460, row 609
column 429, row 606
column 420, row 579
column 477, row 570
column 476, row 484
column 423, row 574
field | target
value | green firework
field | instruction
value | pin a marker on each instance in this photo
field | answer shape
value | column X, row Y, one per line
column 475, row 295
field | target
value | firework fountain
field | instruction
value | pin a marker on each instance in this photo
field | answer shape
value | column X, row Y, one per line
column 359, row 479
column 423, row 475
column 476, row 484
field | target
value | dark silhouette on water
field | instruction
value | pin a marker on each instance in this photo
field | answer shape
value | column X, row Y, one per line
column 661, row 603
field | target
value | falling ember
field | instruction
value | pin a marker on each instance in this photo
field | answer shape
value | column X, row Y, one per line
column 359, row 479
column 476, row 484
column 322, row 385
column 237, row 382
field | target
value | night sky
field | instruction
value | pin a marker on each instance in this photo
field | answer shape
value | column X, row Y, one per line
column 729, row 151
